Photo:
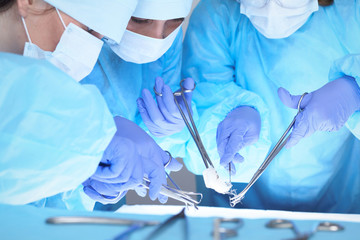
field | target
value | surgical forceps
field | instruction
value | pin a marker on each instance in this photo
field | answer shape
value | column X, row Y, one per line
column 190, row 125
column 279, row 145
column 133, row 224
column 286, row 224
column 221, row 233
column 176, row 194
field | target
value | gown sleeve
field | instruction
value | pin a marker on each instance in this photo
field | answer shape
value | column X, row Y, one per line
column 350, row 66
column 53, row 131
column 209, row 58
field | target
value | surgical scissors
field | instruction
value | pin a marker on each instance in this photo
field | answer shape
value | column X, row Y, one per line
column 279, row 145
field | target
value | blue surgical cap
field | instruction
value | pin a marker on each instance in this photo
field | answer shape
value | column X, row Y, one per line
column 162, row 9
column 106, row 17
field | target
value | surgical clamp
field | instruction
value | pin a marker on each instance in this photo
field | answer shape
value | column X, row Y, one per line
column 286, row 224
column 279, row 145
column 211, row 178
column 190, row 125
column 221, row 233
column 133, row 224
column 176, row 194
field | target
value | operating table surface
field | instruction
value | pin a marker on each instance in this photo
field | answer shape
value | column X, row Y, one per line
column 29, row 222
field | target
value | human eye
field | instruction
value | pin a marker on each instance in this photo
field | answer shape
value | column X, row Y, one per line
column 140, row 20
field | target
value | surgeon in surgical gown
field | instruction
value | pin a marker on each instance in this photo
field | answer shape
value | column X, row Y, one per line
column 56, row 133
column 125, row 70
column 240, row 60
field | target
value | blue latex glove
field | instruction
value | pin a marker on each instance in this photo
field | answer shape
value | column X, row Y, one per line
column 164, row 118
column 240, row 128
column 131, row 154
column 326, row 109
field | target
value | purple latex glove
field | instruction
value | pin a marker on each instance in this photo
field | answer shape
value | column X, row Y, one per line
column 326, row 109
column 164, row 118
column 131, row 154
column 240, row 128
column 102, row 193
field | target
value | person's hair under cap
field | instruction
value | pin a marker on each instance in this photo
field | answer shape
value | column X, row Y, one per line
column 108, row 18
column 162, row 9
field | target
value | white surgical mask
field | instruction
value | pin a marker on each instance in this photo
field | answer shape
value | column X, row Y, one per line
column 137, row 48
column 75, row 54
column 276, row 18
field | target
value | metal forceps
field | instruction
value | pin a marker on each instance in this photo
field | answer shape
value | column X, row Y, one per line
column 190, row 125
column 279, row 145
column 221, row 233
column 321, row 227
column 176, row 194
column 133, row 224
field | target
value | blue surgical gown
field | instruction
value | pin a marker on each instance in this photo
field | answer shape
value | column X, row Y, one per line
column 234, row 65
column 121, row 83
column 53, row 132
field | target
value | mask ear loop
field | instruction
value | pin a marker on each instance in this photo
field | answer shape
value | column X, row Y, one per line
column 26, row 30
column 61, row 19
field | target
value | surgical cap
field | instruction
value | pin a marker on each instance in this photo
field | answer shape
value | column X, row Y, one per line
column 162, row 9
column 107, row 17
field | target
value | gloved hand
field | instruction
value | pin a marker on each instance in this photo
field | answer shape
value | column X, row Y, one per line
column 164, row 118
column 240, row 128
column 326, row 109
column 120, row 169
column 103, row 192
column 131, row 154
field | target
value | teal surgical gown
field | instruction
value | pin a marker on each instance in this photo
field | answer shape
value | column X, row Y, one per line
column 53, row 132
column 234, row 65
column 121, row 83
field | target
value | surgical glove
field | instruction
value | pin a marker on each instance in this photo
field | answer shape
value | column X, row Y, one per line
column 326, row 109
column 164, row 118
column 240, row 128
column 153, row 158
column 100, row 192
column 120, row 169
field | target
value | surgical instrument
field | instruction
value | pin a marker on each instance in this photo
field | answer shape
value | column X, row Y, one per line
column 168, row 222
column 96, row 220
column 211, row 178
column 176, row 194
column 286, row 224
column 133, row 224
column 279, row 145
column 221, row 233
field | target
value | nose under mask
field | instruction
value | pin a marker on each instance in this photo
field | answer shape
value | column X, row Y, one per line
column 140, row 49
column 274, row 21
column 75, row 54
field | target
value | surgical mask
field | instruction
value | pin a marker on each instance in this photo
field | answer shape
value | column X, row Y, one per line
column 137, row 48
column 75, row 54
column 278, row 18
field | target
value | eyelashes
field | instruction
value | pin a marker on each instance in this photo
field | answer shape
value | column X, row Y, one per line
column 146, row 21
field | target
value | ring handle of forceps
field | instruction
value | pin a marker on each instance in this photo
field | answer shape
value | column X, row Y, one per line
column 178, row 93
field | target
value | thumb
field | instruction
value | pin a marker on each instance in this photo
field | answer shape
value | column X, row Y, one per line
column 171, row 163
column 159, row 84
column 292, row 101
column 189, row 84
